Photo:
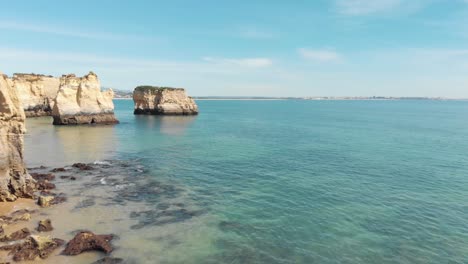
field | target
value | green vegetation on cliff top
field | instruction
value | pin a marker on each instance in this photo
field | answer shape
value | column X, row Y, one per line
column 143, row 88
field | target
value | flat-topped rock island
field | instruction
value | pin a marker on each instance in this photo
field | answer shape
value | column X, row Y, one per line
column 154, row 100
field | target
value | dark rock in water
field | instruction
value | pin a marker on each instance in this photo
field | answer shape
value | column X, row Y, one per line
column 33, row 247
column 108, row 260
column 58, row 170
column 229, row 226
column 45, row 185
column 36, row 168
column 45, row 226
column 86, row 241
column 19, row 215
column 85, row 203
column 43, row 176
column 59, row 198
column 161, row 217
column 18, row 235
column 82, row 166
column 72, row 178
column 43, row 180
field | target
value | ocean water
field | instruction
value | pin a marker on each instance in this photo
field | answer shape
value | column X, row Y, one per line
column 280, row 181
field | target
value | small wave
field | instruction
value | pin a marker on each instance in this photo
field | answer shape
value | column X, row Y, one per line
column 103, row 181
column 98, row 162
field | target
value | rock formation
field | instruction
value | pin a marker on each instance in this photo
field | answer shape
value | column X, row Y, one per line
column 80, row 101
column 14, row 179
column 36, row 92
column 150, row 100
column 86, row 241
column 33, row 248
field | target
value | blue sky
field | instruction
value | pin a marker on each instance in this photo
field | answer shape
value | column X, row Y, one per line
column 249, row 48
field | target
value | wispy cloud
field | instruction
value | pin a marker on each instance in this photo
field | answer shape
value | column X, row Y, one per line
column 242, row 62
column 116, row 63
column 321, row 55
column 67, row 32
column 255, row 33
column 364, row 7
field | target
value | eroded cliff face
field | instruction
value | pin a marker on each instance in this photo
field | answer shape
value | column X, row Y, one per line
column 80, row 101
column 15, row 181
column 36, row 92
column 150, row 100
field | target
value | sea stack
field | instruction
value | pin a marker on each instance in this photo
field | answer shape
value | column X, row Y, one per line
column 15, row 181
column 152, row 100
column 80, row 101
column 36, row 92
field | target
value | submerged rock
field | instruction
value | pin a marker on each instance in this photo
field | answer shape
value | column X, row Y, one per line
column 36, row 92
column 151, row 100
column 45, row 185
column 45, row 226
column 42, row 180
column 34, row 247
column 43, row 176
column 80, row 101
column 18, row 235
column 86, row 241
column 14, row 179
column 19, row 215
column 108, row 260
column 82, row 166
column 58, row 170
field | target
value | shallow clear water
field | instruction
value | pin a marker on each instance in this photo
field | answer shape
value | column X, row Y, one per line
column 291, row 181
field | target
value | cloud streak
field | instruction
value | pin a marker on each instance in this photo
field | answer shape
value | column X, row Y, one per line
column 205, row 65
column 74, row 33
column 242, row 62
column 365, row 7
column 323, row 55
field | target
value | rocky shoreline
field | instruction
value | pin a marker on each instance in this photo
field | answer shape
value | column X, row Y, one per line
column 19, row 241
column 118, row 205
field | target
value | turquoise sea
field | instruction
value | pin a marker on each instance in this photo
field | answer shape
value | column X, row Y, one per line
column 289, row 181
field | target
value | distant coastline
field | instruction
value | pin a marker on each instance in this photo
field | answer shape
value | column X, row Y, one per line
column 312, row 98
column 324, row 98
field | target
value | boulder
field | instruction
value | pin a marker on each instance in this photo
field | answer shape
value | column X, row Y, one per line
column 45, row 200
column 151, row 100
column 45, row 226
column 86, row 241
column 36, row 92
column 15, row 181
column 80, row 101
column 48, row 198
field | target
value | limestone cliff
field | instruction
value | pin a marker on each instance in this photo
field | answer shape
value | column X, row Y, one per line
column 80, row 101
column 150, row 100
column 15, row 181
column 36, row 92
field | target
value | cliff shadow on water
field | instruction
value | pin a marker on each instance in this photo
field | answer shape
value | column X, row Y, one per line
column 64, row 145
